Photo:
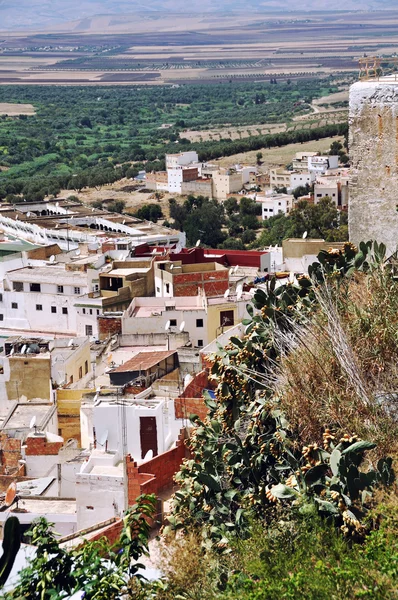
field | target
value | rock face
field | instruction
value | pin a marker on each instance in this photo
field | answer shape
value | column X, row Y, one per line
column 373, row 141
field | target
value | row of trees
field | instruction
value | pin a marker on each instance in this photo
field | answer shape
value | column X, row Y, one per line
column 236, row 225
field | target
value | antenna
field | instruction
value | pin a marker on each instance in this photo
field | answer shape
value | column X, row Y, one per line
column 167, row 326
column 226, row 293
column 52, row 258
column 10, row 494
column 305, row 234
column 182, row 326
column 197, row 244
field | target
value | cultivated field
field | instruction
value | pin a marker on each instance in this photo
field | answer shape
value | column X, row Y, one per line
column 176, row 49
column 11, row 110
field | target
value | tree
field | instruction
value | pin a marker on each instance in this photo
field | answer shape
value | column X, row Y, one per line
column 259, row 156
column 98, row 569
column 206, row 223
column 149, row 212
column 231, row 206
column 232, row 244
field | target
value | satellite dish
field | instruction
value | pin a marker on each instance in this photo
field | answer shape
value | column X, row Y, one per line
column 182, row 326
column 57, row 204
column 93, row 209
column 56, row 226
column 239, row 292
column 121, row 257
column 104, row 438
column 28, row 214
column 70, row 343
column 148, row 455
column 98, row 389
column 197, row 244
column 12, row 351
column 171, row 267
column 231, row 271
column 167, row 326
column 32, row 422
column 305, row 234
column 77, row 253
column 23, row 350
column 16, row 217
column 226, row 293
column 236, row 268
column 52, row 258
column 10, row 494
column 123, row 222
column 291, row 277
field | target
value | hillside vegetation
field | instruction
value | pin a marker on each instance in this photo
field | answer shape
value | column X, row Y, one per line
column 89, row 136
column 290, row 491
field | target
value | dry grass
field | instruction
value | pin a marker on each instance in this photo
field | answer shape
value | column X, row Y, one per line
column 342, row 371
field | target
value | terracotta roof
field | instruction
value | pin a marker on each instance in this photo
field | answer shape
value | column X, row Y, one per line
column 143, row 361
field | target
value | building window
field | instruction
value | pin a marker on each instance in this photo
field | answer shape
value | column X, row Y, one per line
column 60, row 289
column 200, row 343
column 17, row 286
column 84, row 311
column 14, row 305
column 1, row 317
column 97, row 311
column 39, row 307
column 199, row 322
column 226, row 318
column 80, row 372
column 158, row 290
column 1, row 297
column 35, row 287
column 89, row 330
column 122, row 246
column 86, row 367
column 64, row 310
column 173, row 322
column 167, row 288
column 77, row 290
column 91, row 311
column 54, row 309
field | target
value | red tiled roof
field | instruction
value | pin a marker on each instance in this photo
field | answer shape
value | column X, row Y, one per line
column 143, row 361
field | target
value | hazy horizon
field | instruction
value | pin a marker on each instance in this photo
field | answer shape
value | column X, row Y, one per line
column 73, row 15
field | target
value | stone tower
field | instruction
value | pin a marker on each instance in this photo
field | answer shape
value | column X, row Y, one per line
column 373, row 141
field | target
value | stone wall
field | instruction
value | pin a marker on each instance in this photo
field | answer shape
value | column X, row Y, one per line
column 373, row 146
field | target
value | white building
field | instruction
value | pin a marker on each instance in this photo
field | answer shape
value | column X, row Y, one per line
column 274, row 204
column 321, row 164
column 301, row 178
column 333, row 186
column 42, row 299
column 181, row 159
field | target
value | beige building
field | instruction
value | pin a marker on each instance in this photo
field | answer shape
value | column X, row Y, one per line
column 226, row 182
column 279, row 177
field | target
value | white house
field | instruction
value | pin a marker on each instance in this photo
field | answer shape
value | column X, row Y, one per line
column 274, row 204
column 301, row 178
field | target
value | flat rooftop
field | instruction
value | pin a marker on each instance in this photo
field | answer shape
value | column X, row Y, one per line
column 48, row 274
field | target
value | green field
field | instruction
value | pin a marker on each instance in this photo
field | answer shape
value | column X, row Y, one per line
column 91, row 135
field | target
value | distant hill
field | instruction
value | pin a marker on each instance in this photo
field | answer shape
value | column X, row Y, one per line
column 45, row 14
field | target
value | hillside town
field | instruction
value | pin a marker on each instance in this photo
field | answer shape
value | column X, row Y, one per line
column 107, row 322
